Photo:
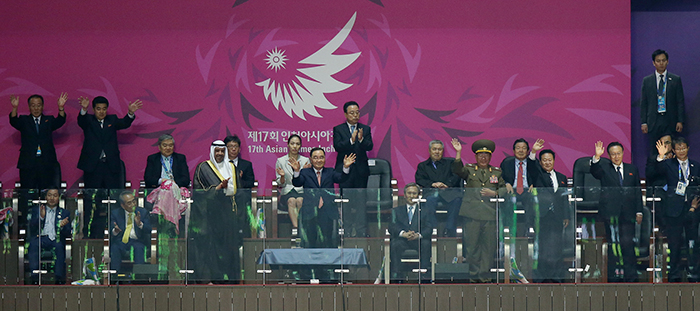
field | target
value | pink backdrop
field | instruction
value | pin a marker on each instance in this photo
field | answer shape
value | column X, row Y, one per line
column 558, row 70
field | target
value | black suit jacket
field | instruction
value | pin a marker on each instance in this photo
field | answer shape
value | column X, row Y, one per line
column 98, row 139
column 674, row 204
column 675, row 102
column 508, row 168
column 341, row 143
column 248, row 178
column 31, row 139
column 426, row 175
column 181, row 172
column 549, row 200
column 36, row 224
column 118, row 216
column 313, row 191
column 399, row 221
column 622, row 201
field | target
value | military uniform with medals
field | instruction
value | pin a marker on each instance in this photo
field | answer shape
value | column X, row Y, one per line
column 480, row 237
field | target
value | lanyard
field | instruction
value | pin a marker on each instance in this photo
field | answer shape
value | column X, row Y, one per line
column 168, row 170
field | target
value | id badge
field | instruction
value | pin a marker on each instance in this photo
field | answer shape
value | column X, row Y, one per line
column 662, row 104
column 680, row 188
column 493, row 179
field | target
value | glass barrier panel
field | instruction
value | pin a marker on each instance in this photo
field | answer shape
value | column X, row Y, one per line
column 12, row 258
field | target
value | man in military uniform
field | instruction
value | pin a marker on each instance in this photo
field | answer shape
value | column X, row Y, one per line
column 479, row 231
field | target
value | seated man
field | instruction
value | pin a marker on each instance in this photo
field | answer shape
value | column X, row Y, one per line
column 410, row 228
column 49, row 226
column 166, row 164
column 130, row 228
column 441, row 185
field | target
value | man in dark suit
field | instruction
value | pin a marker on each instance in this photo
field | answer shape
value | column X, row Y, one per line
column 682, row 176
column 130, row 227
column 411, row 227
column 100, row 159
column 166, row 164
column 553, row 212
column 520, row 172
column 351, row 137
column 655, row 183
column 246, row 181
column 440, row 185
column 37, row 156
column 319, row 213
column 663, row 102
column 49, row 227
column 620, row 206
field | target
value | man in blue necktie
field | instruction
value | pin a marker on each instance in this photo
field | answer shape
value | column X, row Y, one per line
column 49, row 227
column 411, row 227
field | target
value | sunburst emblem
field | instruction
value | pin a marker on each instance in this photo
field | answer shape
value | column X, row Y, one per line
column 275, row 59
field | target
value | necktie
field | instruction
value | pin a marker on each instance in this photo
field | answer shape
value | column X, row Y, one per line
column 352, row 129
column 660, row 90
column 102, row 124
column 36, row 122
column 555, row 184
column 619, row 174
column 410, row 214
column 520, row 189
column 684, row 167
column 434, row 165
column 129, row 226
column 318, row 175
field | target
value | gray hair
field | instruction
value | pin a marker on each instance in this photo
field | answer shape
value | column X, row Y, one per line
column 165, row 137
column 433, row 142
column 411, row 185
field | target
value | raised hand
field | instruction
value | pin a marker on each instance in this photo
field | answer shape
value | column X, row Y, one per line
column 136, row 105
column 14, row 100
column 116, row 229
column 354, row 136
column 296, row 166
column 42, row 210
column 349, row 160
column 539, row 144
column 662, row 148
column 360, row 134
column 599, row 149
column 62, row 100
column 456, row 144
column 280, row 171
column 307, row 165
column 84, row 102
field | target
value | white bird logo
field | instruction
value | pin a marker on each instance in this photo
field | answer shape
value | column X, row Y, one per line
column 311, row 93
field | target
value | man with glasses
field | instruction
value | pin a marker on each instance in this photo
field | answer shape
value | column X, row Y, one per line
column 680, row 203
column 620, row 207
column 130, row 227
column 352, row 137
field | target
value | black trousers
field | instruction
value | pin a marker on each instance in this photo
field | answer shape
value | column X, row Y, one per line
column 620, row 237
column 682, row 230
column 355, row 211
column 399, row 245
